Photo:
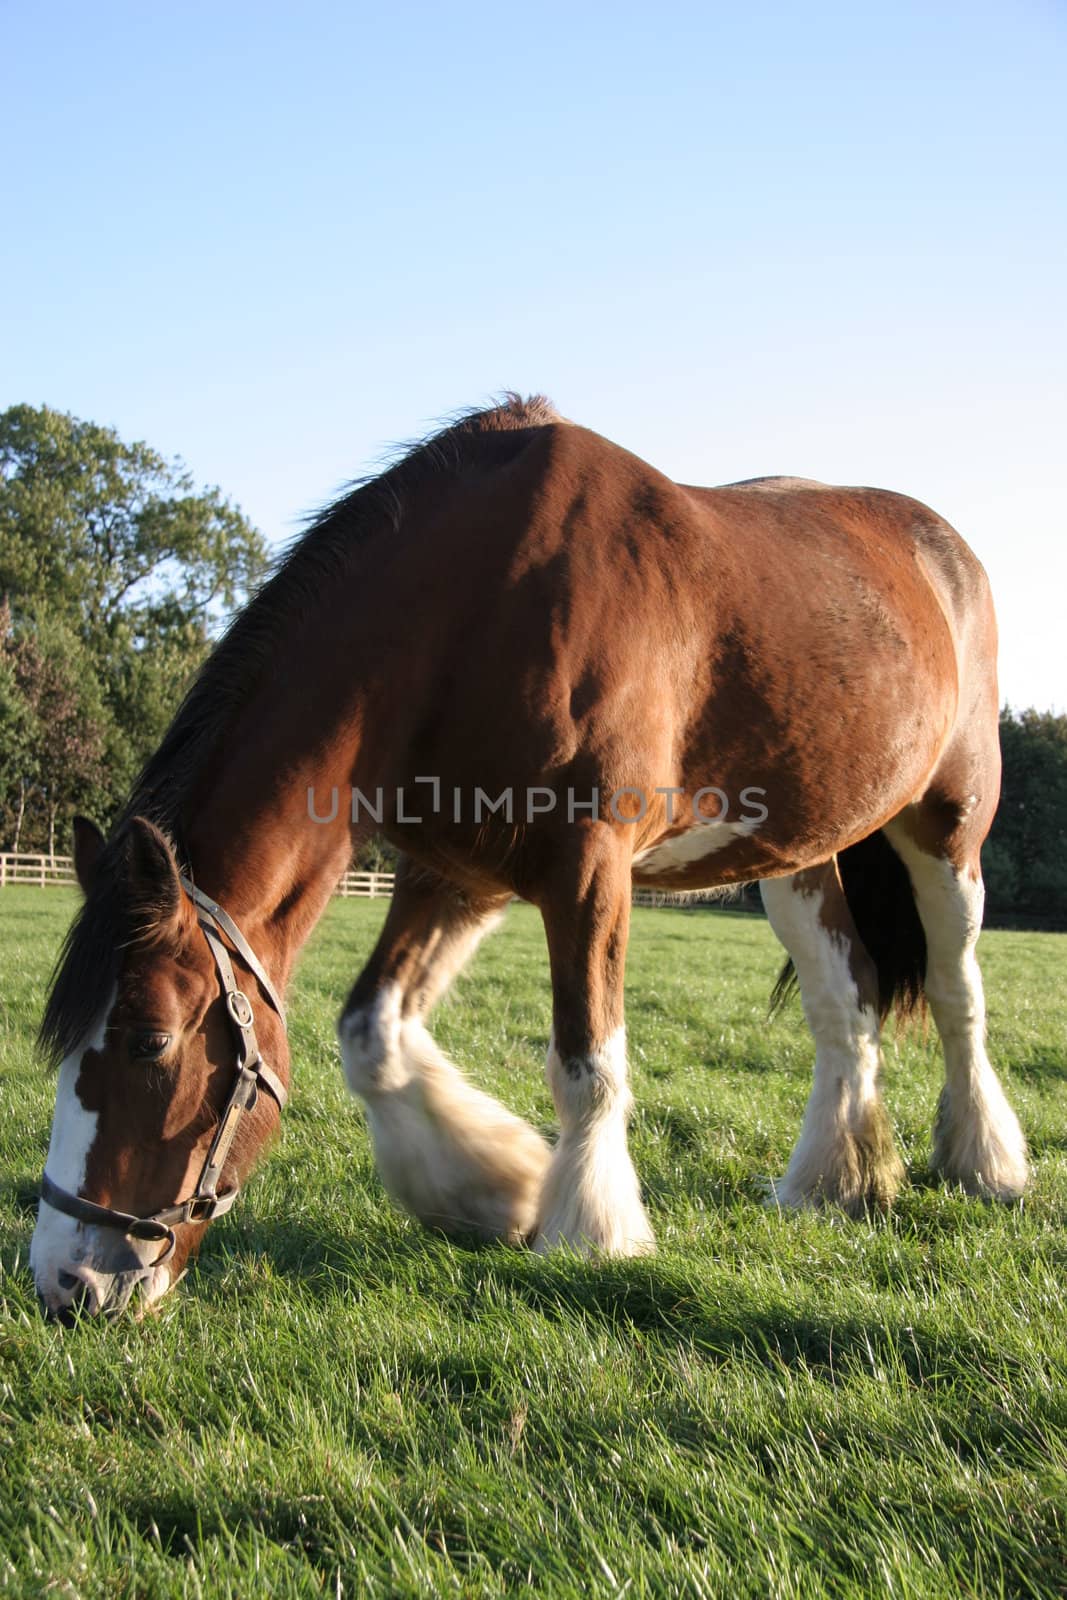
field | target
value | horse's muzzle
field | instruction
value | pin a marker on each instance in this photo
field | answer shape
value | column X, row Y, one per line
column 87, row 1272
column 83, row 1292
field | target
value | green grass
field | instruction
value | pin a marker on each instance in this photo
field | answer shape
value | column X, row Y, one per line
column 335, row 1401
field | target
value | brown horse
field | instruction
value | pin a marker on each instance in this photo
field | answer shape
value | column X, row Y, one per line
column 541, row 669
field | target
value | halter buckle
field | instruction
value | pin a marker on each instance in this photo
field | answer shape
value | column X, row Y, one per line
column 240, row 1008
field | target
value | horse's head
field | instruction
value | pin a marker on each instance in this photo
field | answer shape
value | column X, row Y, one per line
column 167, row 1035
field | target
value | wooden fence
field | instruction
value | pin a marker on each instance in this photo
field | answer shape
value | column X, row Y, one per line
column 45, row 870
column 41, row 870
column 365, row 885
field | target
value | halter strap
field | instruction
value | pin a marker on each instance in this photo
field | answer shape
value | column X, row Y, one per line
column 204, row 902
column 252, row 1071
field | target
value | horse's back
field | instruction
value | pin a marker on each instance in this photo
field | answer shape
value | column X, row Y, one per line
column 584, row 620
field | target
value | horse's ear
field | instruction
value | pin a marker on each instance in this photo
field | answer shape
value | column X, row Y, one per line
column 88, row 843
column 152, row 884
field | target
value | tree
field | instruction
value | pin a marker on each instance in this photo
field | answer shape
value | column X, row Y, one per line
column 1025, row 859
column 116, row 575
column 18, row 734
column 63, row 721
column 108, row 534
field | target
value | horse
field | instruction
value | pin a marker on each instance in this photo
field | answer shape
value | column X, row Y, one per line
column 541, row 669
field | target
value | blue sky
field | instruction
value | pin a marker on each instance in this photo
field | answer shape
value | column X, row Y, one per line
column 815, row 239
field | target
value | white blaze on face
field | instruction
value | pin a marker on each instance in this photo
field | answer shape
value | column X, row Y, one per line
column 67, row 1256
column 59, row 1242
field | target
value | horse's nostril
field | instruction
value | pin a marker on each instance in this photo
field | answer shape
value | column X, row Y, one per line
column 82, row 1296
column 66, row 1315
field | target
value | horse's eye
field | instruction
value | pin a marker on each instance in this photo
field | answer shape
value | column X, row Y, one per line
column 149, row 1046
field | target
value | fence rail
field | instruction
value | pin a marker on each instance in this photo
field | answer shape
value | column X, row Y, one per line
column 40, row 869
column 365, row 885
column 45, row 871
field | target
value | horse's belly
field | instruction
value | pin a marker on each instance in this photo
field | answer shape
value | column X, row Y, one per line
column 777, row 830
column 712, row 853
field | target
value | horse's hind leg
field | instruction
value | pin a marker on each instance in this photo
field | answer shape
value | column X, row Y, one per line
column 845, row 1153
column 591, row 1198
column 450, row 1154
column 977, row 1139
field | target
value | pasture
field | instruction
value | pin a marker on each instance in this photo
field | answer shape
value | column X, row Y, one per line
column 337, row 1402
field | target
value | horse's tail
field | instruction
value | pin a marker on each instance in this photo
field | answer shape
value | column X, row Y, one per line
column 879, row 895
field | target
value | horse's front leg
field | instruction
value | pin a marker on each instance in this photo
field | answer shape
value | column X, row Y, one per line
column 591, row 1199
column 450, row 1154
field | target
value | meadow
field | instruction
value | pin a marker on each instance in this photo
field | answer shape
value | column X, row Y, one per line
column 335, row 1402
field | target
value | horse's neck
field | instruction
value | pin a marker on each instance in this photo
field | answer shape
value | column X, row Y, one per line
column 253, row 841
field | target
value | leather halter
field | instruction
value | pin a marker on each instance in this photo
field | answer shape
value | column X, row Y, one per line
column 252, row 1073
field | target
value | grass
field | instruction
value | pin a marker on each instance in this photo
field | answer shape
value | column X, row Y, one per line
column 336, row 1402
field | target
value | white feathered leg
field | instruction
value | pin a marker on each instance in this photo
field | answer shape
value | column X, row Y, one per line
column 591, row 1199
column 452, row 1155
column 845, row 1155
column 978, row 1142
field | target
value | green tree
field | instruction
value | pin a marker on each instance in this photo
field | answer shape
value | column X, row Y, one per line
column 116, row 574
column 111, row 535
column 18, row 738
column 64, row 724
column 1025, row 858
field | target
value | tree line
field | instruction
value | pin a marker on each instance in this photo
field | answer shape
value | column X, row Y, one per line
column 115, row 575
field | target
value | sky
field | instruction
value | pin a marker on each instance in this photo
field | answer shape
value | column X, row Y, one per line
column 824, row 240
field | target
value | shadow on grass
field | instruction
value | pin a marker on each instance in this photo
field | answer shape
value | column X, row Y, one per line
column 1038, row 1068
column 679, row 1308
column 331, row 1527
column 660, row 1300
column 23, row 1195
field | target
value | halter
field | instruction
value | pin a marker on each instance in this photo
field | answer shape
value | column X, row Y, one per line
column 252, row 1072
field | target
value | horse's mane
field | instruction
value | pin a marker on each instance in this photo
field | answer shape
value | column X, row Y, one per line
column 90, row 957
